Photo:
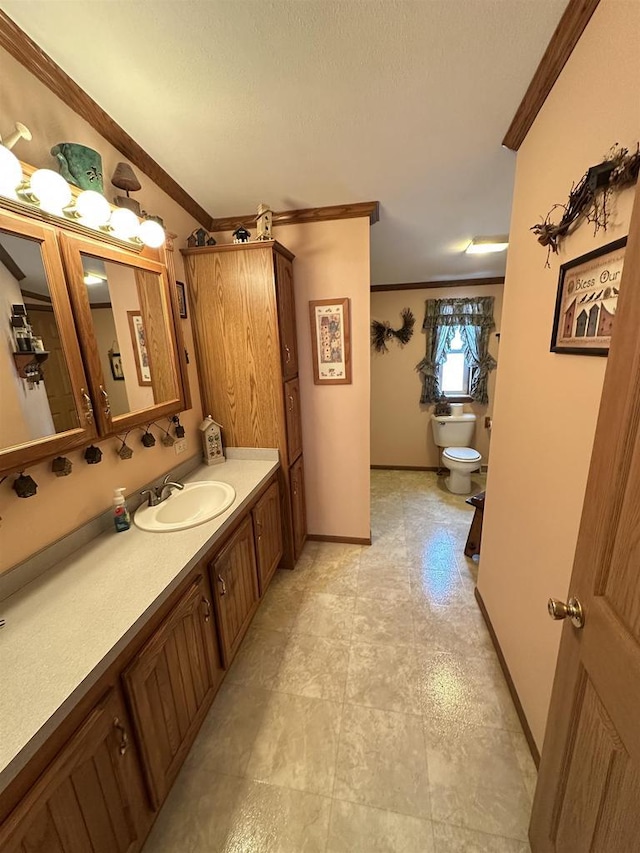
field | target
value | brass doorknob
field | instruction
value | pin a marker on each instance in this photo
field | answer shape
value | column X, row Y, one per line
column 572, row 609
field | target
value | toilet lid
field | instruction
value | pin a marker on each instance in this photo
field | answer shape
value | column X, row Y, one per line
column 462, row 454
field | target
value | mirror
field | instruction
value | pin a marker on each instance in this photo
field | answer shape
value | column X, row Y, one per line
column 35, row 385
column 128, row 309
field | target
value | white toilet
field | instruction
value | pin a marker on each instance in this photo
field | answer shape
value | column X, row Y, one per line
column 454, row 434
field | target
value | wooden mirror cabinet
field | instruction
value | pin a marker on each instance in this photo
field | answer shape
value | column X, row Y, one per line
column 90, row 336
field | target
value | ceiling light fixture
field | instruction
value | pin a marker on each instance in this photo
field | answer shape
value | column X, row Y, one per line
column 50, row 189
column 90, row 279
column 151, row 233
column 487, row 245
column 92, row 209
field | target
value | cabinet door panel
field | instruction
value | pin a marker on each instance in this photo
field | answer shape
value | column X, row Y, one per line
column 286, row 316
column 90, row 798
column 234, row 578
column 55, row 415
column 268, row 534
column 171, row 684
column 298, row 506
column 294, row 423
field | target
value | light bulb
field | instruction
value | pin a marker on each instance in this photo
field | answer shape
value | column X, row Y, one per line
column 92, row 208
column 151, row 233
column 51, row 190
column 10, row 173
column 90, row 279
column 124, row 223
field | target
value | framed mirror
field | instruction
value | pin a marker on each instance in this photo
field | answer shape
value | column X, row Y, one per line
column 46, row 409
column 125, row 318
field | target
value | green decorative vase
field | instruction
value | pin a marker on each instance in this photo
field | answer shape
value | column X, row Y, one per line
column 79, row 165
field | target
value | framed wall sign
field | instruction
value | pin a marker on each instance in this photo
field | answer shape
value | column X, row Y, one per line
column 586, row 302
column 139, row 341
column 331, row 341
column 182, row 299
column 115, row 362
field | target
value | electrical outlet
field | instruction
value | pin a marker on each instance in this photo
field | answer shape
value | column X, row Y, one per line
column 487, row 422
column 180, row 446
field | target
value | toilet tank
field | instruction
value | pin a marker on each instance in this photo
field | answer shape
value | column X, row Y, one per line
column 453, row 430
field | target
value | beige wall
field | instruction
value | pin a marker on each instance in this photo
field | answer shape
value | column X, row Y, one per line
column 332, row 260
column 105, row 331
column 401, row 431
column 65, row 503
column 546, row 404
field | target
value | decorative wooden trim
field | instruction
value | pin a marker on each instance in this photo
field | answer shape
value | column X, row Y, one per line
column 429, row 285
column 7, row 261
column 512, row 688
column 39, row 297
column 570, row 27
column 16, row 42
column 239, row 247
column 349, row 540
column 370, row 209
column 404, row 468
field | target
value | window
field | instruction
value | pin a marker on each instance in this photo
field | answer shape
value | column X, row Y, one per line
column 454, row 373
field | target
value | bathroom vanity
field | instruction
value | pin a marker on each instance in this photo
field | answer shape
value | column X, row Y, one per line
column 112, row 658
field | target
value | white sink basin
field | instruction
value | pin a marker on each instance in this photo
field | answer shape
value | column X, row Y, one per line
column 196, row 503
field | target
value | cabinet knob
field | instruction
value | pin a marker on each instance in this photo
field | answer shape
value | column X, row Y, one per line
column 288, row 354
column 107, row 404
column 124, row 737
column 88, row 408
column 223, row 590
column 207, row 603
column 290, row 403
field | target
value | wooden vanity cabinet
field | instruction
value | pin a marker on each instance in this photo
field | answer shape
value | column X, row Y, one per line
column 234, row 581
column 170, row 685
column 267, row 529
column 91, row 798
column 243, row 312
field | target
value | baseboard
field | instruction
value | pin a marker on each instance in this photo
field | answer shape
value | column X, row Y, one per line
column 413, row 468
column 512, row 688
column 349, row 540
column 404, row 467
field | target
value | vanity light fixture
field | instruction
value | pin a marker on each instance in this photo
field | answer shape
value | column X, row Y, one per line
column 151, row 233
column 50, row 189
column 487, row 245
column 10, row 173
column 92, row 209
column 124, row 223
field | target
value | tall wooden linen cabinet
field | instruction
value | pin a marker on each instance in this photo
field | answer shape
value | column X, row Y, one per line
column 243, row 315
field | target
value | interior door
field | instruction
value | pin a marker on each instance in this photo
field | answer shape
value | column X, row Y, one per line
column 58, row 386
column 588, row 793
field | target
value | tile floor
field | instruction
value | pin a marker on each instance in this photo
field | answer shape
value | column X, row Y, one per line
column 365, row 711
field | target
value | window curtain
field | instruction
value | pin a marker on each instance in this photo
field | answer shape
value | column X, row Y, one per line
column 474, row 317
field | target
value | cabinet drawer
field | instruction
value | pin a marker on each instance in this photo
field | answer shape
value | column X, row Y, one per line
column 234, row 579
column 294, row 423
column 171, row 683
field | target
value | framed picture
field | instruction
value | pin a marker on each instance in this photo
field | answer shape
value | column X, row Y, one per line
column 331, row 341
column 115, row 362
column 139, row 341
column 182, row 299
column 586, row 302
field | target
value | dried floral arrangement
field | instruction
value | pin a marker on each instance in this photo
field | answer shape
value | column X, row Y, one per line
column 590, row 198
column 382, row 332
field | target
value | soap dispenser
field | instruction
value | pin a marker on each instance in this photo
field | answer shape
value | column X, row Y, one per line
column 121, row 517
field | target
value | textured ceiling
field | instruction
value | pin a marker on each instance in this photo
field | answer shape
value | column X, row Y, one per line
column 302, row 103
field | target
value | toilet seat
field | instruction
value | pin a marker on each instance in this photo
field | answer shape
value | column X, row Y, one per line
column 461, row 454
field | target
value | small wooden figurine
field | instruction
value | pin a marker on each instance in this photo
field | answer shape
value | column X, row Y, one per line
column 93, row 455
column 241, row 235
column 263, row 224
column 25, row 486
column 61, row 466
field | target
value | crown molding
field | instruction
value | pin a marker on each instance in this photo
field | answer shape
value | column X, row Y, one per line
column 430, row 285
column 570, row 27
column 16, row 42
column 370, row 209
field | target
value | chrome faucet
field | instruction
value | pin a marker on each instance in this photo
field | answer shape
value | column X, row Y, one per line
column 161, row 493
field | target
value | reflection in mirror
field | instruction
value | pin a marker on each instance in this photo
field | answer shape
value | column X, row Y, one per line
column 136, row 354
column 35, row 387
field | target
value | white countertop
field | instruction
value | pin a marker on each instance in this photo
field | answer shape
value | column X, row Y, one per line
column 64, row 629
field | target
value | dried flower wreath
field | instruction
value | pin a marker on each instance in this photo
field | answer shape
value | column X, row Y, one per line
column 590, row 198
column 382, row 332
